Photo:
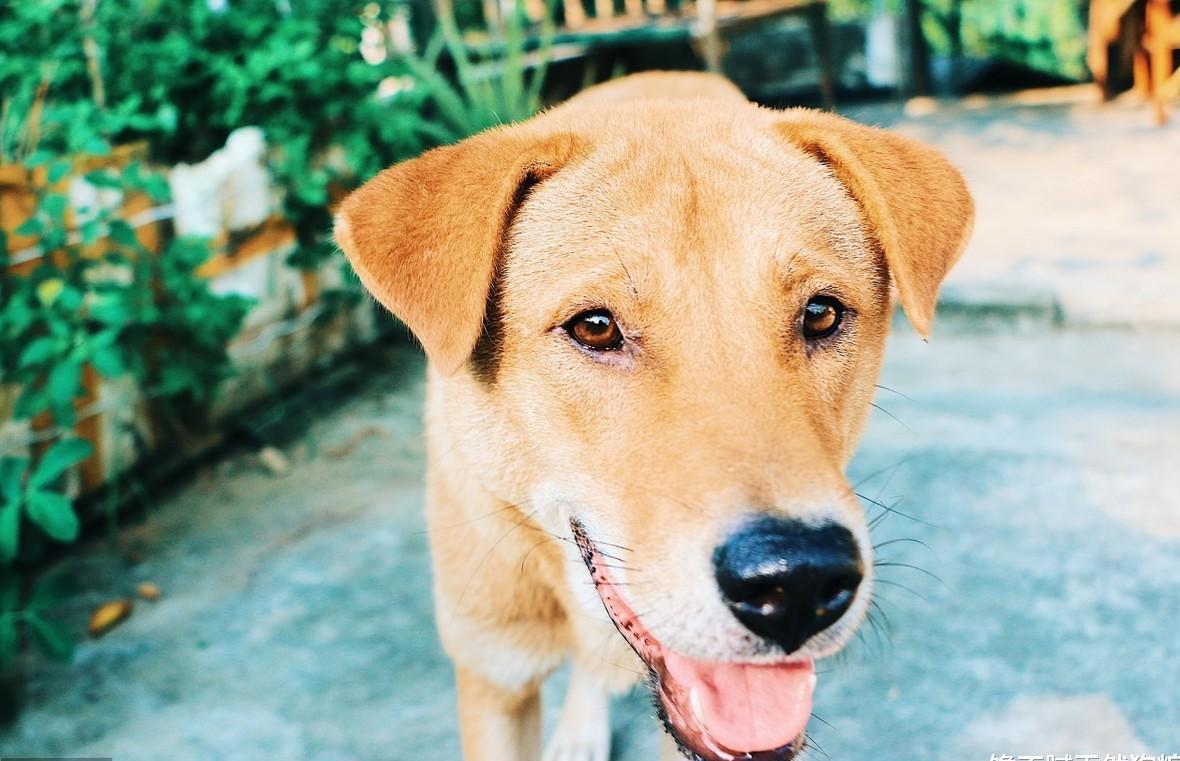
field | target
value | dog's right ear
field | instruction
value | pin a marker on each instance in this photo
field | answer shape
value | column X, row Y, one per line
column 915, row 201
column 425, row 235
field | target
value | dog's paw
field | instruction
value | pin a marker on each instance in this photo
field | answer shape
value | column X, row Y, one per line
column 592, row 751
column 581, row 736
column 583, row 731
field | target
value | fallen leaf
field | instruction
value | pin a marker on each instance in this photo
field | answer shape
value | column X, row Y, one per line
column 109, row 615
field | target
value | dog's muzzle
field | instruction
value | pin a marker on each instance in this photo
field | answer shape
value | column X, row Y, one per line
column 785, row 581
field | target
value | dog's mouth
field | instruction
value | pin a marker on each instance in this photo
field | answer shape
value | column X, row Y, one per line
column 715, row 710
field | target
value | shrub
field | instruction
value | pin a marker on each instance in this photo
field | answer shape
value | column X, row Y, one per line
column 80, row 77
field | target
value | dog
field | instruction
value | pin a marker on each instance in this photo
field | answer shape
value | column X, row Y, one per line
column 653, row 317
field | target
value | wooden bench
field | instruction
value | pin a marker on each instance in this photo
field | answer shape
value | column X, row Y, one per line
column 583, row 27
column 1162, row 40
column 1116, row 34
column 1148, row 31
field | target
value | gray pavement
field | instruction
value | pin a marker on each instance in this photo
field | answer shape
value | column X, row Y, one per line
column 1038, row 466
column 1076, row 202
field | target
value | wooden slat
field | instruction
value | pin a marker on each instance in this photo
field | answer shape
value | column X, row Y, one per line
column 18, row 202
column 705, row 23
column 274, row 234
column 491, row 15
column 535, row 10
column 575, row 13
column 757, row 10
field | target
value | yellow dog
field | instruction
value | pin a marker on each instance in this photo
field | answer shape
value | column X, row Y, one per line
column 654, row 317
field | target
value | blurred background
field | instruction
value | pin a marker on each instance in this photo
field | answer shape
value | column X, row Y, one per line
column 211, row 542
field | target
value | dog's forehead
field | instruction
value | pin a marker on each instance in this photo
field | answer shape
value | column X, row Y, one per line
column 734, row 199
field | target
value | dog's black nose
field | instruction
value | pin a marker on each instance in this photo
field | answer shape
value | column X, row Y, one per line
column 786, row 580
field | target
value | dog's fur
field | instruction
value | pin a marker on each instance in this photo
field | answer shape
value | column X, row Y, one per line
column 704, row 223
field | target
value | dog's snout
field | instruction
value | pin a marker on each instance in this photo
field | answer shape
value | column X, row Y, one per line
column 787, row 580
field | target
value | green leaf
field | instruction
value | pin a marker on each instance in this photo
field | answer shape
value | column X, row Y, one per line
column 49, row 289
column 64, row 381
column 12, row 478
column 123, row 233
column 54, row 513
column 91, row 231
column 53, row 236
column 37, row 158
column 31, row 226
column 97, row 146
column 71, row 297
column 58, row 170
column 9, row 531
column 38, row 351
column 103, row 178
column 54, row 204
column 59, row 458
column 133, row 173
column 108, row 361
column 111, row 311
column 64, row 415
column 157, row 187
column 168, row 115
column 53, row 638
column 31, row 401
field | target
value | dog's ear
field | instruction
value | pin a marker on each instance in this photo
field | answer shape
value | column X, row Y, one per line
column 425, row 235
column 915, row 201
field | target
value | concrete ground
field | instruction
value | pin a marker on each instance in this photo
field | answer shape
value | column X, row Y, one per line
column 1035, row 458
column 1075, row 199
column 1039, row 469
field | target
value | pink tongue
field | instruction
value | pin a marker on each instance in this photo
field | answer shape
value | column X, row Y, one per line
column 743, row 707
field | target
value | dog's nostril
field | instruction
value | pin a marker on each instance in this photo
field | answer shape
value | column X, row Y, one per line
column 837, row 594
column 786, row 580
column 767, row 602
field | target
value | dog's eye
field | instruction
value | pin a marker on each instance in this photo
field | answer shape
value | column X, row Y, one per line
column 596, row 330
column 821, row 317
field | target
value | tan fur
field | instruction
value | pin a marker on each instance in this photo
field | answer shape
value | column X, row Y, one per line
column 660, row 85
column 704, row 223
column 920, row 213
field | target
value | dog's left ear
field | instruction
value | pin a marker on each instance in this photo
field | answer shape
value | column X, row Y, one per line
column 914, row 200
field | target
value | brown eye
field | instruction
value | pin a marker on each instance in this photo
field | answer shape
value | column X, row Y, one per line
column 821, row 317
column 596, row 330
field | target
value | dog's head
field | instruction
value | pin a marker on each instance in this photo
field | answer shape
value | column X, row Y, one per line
column 664, row 323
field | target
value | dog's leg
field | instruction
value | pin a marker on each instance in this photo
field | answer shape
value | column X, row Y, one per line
column 496, row 724
column 583, row 731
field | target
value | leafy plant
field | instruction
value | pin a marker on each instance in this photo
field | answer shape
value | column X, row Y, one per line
column 502, row 88
column 98, row 298
column 78, row 78
column 293, row 69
